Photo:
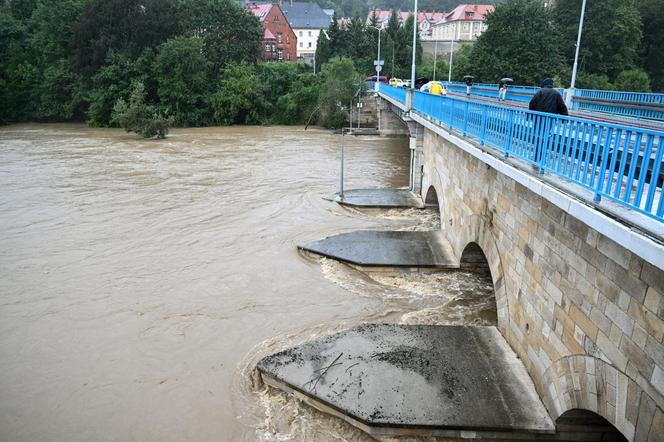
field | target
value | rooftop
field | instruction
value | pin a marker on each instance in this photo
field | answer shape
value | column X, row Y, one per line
column 302, row 15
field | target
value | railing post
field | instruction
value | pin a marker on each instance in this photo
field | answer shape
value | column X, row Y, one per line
column 465, row 118
column 485, row 113
column 508, row 138
column 605, row 157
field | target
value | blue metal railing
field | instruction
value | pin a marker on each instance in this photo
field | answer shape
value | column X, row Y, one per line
column 633, row 104
column 514, row 93
column 629, row 97
column 398, row 93
column 622, row 163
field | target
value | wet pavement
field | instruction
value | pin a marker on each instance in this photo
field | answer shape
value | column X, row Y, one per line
column 380, row 198
column 397, row 379
column 387, row 248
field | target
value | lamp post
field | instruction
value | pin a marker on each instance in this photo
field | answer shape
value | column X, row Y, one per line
column 435, row 58
column 449, row 76
column 576, row 55
column 412, row 68
column 378, row 66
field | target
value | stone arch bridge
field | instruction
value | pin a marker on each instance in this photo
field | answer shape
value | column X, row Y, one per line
column 577, row 265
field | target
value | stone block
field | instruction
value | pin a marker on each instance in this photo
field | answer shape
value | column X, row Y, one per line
column 637, row 356
column 607, row 287
column 600, row 320
column 577, row 227
column 657, row 380
column 646, row 412
column 585, row 323
column 655, row 350
column 614, row 252
column 619, row 318
column 653, row 276
column 653, row 300
column 639, row 336
column 633, row 400
column 657, row 427
column 652, row 324
column 635, row 287
column 611, row 351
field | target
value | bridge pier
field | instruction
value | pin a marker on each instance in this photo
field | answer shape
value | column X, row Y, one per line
column 416, row 145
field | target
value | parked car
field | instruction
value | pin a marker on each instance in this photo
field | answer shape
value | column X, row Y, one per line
column 381, row 79
column 396, row 82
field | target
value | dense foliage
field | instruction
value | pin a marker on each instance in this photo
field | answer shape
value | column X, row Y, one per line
column 528, row 42
column 525, row 50
column 146, row 64
column 360, row 42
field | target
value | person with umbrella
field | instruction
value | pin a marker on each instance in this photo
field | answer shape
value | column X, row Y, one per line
column 468, row 79
column 502, row 88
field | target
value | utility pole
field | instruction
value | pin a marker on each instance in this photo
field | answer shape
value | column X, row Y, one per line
column 576, row 55
column 449, row 76
column 412, row 69
column 435, row 59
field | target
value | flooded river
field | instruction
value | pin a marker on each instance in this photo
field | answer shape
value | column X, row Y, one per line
column 140, row 281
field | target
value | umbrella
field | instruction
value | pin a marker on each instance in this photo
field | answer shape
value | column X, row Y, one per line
column 468, row 76
column 506, row 80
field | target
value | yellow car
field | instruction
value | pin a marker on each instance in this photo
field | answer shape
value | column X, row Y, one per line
column 396, row 82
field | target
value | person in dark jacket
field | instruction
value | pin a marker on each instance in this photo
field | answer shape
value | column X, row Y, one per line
column 548, row 100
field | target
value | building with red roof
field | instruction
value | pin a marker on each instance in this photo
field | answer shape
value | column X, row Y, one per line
column 425, row 20
column 463, row 23
column 279, row 42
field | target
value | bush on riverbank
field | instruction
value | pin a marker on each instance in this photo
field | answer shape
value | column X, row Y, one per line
column 137, row 116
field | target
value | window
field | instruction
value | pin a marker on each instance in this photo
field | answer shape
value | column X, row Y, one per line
column 280, row 37
column 267, row 47
column 301, row 44
column 469, row 14
column 465, row 26
column 301, row 33
column 309, row 33
column 280, row 54
column 287, row 40
column 309, row 44
column 288, row 56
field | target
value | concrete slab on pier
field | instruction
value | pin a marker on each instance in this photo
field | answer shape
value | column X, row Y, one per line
column 386, row 248
column 425, row 380
column 380, row 198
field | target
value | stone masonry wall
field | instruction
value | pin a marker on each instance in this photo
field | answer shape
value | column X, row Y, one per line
column 585, row 315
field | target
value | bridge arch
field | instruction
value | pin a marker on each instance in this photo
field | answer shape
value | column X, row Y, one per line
column 431, row 198
column 590, row 424
column 480, row 252
column 582, row 382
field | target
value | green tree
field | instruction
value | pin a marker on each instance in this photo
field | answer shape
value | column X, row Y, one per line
column 229, row 32
column 520, row 42
column 425, row 69
column 634, row 80
column 124, row 26
column 114, row 81
column 461, row 63
column 341, row 82
column 300, row 102
column 611, row 34
column 140, row 117
column 653, row 41
column 182, row 76
column 236, row 99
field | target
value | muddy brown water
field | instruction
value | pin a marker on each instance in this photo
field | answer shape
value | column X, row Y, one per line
column 140, row 281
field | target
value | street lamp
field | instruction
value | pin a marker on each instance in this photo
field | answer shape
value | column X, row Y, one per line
column 435, row 59
column 412, row 69
column 578, row 46
column 378, row 66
